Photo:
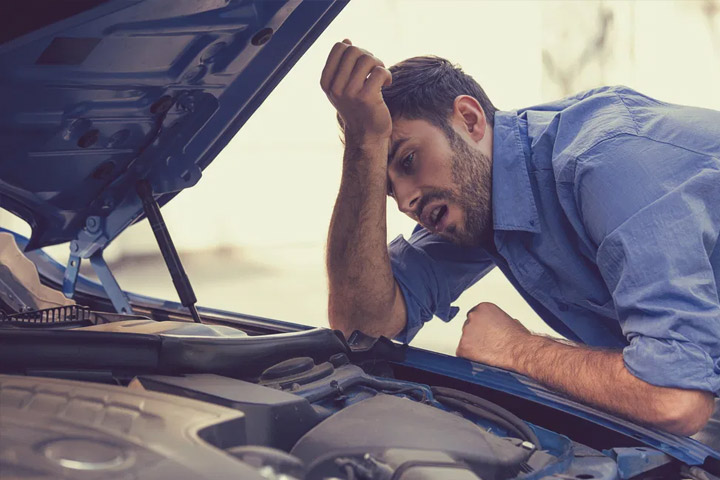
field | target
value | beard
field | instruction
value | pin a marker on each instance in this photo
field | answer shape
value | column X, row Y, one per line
column 472, row 174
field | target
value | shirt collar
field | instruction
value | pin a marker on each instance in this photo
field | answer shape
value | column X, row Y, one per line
column 513, row 202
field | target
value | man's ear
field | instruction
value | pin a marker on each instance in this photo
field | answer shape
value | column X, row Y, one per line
column 469, row 116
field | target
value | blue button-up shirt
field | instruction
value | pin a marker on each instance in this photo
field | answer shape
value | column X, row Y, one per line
column 606, row 212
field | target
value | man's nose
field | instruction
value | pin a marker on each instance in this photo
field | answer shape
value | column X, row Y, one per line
column 407, row 196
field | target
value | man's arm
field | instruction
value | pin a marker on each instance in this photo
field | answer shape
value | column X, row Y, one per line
column 363, row 292
column 596, row 377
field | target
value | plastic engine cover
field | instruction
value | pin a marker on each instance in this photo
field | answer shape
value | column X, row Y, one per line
column 384, row 422
column 272, row 418
column 67, row 429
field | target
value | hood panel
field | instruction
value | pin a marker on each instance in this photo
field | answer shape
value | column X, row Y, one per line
column 134, row 89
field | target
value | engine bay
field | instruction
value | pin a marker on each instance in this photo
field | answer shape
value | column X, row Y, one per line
column 299, row 419
column 89, row 393
column 131, row 397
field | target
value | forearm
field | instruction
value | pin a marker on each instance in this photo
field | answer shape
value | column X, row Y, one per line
column 361, row 285
column 600, row 378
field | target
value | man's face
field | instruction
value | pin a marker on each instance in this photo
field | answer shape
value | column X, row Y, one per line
column 442, row 183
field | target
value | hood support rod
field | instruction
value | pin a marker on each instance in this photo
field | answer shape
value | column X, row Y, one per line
column 167, row 248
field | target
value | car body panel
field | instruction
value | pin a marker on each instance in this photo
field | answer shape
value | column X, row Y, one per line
column 133, row 90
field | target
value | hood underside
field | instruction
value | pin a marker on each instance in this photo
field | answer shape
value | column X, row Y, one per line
column 133, row 89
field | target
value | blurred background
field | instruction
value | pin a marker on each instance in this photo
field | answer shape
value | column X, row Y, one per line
column 252, row 232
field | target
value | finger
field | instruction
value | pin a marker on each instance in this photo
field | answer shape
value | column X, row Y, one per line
column 342, row 75
column 363, row 66
column 379, row 77
column 331, row 64
column 347, row 41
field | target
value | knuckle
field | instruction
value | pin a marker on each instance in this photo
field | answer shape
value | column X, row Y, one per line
column 367, row 59
column 482, row 308
column 352, row 50
column 379, row 74
column 381, row 70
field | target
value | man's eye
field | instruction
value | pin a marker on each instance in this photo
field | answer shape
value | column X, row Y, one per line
column 407, row 162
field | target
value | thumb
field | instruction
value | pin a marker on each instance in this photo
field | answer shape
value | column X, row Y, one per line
column 388, row 80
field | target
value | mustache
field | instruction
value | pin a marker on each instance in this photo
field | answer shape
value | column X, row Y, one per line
column 429, row 197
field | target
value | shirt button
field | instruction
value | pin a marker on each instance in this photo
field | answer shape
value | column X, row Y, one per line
column 563, row 307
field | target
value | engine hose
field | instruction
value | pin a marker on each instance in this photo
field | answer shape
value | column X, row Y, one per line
column 385, row 386
column 395, row 387
column 485, row 415
column 487, row 407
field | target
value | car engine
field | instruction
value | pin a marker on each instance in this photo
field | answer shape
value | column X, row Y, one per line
column 263, row 412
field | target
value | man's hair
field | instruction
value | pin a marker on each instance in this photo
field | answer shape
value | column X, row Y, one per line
column 425, row 88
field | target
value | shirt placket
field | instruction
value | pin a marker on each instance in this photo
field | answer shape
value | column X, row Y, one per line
column 528, row 274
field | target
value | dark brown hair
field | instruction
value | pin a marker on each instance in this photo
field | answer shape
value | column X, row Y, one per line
column 426, row 87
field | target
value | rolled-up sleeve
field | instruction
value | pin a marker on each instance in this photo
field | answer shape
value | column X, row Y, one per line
column 653, row 210
column 432, row 273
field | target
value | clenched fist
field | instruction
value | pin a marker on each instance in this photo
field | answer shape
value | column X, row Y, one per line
column 352, row 79
column 490, row 335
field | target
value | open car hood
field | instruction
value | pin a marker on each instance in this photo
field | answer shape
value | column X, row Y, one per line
column 107, row 93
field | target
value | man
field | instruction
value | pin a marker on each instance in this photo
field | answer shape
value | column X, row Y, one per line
column 601, row 209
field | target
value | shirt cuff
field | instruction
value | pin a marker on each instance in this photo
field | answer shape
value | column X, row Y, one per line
column 672, row 363
column 415, row 319
column 411, row 278
column 416, row 316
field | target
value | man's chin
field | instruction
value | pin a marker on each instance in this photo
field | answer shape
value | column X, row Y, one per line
column 457, row 236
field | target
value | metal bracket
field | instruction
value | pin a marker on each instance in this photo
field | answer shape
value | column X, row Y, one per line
column 71, row 273
column 112, row 288
column 634, row 461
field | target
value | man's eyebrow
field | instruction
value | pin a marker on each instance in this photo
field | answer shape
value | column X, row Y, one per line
column 394, row 147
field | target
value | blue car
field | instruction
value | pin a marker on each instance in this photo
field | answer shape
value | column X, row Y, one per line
column 108, row 109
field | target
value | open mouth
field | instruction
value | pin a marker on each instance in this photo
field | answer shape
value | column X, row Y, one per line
column 436, row 217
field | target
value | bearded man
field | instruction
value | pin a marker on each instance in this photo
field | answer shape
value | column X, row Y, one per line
column 601, row 210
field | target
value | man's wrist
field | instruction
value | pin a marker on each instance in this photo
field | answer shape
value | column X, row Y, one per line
column 527, row 351
column 365, row 161
column 363, row 141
